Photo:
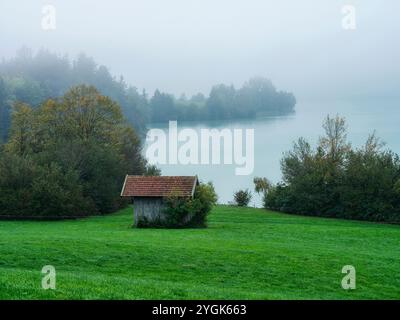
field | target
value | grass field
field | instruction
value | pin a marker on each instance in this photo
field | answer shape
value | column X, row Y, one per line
column 244, row 254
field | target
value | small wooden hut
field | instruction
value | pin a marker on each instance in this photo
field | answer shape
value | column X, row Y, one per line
column 148, row 193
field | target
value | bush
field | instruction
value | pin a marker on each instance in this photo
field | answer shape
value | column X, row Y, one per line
column 30, row 190
column 242, row 197
column 204, row 199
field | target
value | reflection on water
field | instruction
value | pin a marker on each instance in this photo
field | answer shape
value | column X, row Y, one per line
column 275, row 135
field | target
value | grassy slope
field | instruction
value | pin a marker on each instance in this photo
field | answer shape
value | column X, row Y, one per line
column 245, row 253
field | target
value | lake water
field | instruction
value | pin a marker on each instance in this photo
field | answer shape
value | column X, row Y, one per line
column 275, row 135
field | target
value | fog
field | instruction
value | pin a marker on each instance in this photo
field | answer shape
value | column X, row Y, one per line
column 187, row 46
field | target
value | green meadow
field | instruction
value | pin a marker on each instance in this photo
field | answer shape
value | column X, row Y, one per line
column 245, row 253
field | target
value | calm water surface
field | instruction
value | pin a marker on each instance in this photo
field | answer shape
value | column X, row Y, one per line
column 275, row 135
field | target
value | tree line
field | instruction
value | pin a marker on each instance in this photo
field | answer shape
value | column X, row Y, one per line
column 34, row 78
column 258, row 96
column 67, row 157
column 337, row 180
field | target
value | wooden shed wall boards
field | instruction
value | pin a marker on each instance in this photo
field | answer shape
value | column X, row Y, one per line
column 148, row 209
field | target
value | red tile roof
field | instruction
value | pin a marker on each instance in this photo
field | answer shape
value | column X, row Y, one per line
column 158, row 186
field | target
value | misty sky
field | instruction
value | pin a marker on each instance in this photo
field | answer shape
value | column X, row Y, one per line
column 187, row 46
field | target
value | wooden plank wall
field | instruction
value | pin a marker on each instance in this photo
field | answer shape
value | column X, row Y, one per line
column 149, row 208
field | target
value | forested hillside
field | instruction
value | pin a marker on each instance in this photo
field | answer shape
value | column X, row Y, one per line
column 34, row 77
